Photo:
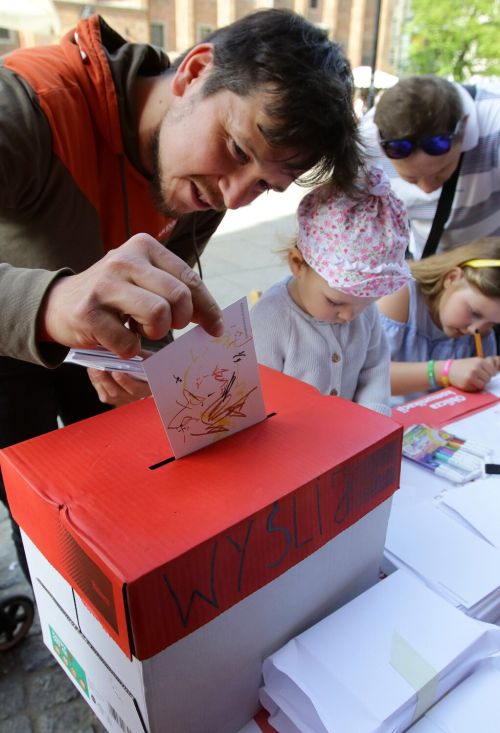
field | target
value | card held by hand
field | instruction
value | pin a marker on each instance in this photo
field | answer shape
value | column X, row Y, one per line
column 205, row 387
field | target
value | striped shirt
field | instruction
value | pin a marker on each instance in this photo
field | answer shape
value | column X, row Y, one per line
column 476, row 205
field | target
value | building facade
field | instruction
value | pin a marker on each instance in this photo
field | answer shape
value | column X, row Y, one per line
column 175, row 25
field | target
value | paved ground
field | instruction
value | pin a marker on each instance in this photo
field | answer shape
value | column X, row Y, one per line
column 35, row 694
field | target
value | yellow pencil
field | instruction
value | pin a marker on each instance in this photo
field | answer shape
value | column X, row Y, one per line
column 479, row 344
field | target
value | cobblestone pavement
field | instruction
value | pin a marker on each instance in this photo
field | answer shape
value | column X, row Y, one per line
column 36, row 696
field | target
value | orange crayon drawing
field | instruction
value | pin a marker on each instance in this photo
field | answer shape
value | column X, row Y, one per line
column 211, row 409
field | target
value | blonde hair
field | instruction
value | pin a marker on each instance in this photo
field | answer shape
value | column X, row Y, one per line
column 431, row 272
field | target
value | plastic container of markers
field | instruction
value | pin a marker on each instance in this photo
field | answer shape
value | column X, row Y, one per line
column 445, row 454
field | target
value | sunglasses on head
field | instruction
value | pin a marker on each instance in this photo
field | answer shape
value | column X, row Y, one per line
column 432, row 144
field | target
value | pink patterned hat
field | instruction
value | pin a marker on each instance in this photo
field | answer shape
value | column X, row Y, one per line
column 357, row 245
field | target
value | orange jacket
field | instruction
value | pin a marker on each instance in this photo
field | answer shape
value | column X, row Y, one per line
column 71, row 183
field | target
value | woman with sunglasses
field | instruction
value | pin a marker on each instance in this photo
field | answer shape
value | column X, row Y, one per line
column 437, row 323
column 421, row 131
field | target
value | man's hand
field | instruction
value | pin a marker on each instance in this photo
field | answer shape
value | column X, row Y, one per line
column 117, row 388
column 141, row 283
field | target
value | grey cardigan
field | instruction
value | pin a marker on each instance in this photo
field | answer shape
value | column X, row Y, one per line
column 350, row 360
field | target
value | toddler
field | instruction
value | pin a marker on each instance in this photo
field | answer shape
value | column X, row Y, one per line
column 321, row 324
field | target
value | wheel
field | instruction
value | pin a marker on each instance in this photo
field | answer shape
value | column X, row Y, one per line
column 16, row 617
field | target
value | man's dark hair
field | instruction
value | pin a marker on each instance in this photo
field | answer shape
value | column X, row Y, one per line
column 308, row 86
column 417, row 107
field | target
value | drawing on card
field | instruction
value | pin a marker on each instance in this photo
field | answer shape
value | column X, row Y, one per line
column 206, row 387
column 213, row 398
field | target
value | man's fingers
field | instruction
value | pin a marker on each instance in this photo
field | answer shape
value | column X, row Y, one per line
column 203, row 307
column 206, row 311
column 117, row 388
column 141, row 282
column 149, row 313
column 136, row 389
column 109, row 331
column 102, row 384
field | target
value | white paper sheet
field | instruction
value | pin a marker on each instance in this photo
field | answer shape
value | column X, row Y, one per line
column 477, row 506
column 472, row 707
column 446, row 555
column 207, row 388
column 368, row 666
column 418, row 485
column 494, row 385
column 482, row 427
column 107, row 361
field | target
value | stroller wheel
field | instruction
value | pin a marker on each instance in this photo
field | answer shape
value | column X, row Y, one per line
column 16, row 617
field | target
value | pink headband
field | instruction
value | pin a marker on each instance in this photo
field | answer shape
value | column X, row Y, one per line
column 356, row 244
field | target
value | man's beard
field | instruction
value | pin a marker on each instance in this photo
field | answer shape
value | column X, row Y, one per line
column 156, row 183
column 202, row 183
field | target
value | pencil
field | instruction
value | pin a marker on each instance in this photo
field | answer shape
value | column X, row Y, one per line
column 479, row 344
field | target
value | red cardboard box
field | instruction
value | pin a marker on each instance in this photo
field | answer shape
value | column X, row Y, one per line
column 230, row 550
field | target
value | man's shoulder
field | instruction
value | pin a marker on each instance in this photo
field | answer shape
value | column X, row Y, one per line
column 487, row 104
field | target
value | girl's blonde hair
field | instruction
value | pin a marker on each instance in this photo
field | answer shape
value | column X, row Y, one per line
column 430, row 272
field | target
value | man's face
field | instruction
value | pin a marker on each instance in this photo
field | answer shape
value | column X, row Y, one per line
column 428, row 172
column 209, row 153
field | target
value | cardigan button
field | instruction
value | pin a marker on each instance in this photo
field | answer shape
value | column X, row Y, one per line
column 335, row 357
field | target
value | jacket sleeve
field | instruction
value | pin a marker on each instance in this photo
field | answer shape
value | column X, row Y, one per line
column 25, row 152
column 373, row 389
column 21, row 294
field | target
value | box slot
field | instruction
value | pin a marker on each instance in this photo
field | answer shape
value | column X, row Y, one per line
column 172, row 458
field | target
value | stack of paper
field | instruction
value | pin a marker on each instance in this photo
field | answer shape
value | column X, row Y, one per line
column 375, row 665
column 481, row 427
column 449, row 558
column 471, row 706
column 107, row 361
column 477, row 507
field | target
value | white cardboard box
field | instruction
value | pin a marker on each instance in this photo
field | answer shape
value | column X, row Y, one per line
column 183, row 683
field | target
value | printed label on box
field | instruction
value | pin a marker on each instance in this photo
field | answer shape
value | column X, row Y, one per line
column 73, row 668
column 107, row 712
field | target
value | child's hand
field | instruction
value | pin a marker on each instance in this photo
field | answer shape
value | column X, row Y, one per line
column 473, row 374
column 495, row 360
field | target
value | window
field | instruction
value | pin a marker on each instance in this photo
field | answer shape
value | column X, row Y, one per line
column 5, row 35
column 313, row 3
column 158, row 35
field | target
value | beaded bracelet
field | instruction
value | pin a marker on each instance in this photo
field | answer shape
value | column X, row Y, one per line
column 445, row 380
column 431, row 374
